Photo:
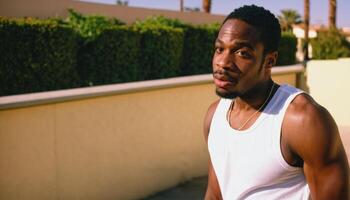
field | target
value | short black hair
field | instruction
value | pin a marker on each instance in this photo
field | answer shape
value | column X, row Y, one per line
column 265, row 23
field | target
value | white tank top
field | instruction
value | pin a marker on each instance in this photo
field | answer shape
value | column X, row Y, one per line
column 249, row 163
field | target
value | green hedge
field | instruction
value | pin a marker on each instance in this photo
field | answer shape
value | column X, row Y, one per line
column 110, row 57
column 123, row 54
column 108, row 50
column 161, row 51
column 89, row 26
column 198, row 49
column 198, row 44
column 287, row 49
column 36, row 55
column 330, row 44
column 41, row 55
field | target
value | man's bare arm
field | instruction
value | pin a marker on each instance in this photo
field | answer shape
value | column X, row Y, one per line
column 316, row 140
column 213, row 189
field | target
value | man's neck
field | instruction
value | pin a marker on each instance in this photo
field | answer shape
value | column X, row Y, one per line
column 255, row 97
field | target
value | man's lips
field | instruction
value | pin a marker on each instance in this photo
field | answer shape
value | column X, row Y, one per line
column 223, row 81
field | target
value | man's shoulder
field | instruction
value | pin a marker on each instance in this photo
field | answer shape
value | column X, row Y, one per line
column 304, row 107
column 306, row 121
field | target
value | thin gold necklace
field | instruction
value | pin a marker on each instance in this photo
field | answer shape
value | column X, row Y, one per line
column 245, row 123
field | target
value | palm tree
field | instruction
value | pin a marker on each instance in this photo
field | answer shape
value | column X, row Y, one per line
column 206, row 5
column 122, row 3
column 332, row 13
column 306, row 29
column 181, row 5
column 288, row 18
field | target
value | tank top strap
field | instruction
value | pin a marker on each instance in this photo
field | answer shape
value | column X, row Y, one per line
column 222, row 109
column 285, row 95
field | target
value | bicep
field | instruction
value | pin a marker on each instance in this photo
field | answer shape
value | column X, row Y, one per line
column 325, row 162
column 329, row 181
column 326, row 169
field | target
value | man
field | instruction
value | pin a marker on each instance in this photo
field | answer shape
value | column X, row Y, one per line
column 267, row 141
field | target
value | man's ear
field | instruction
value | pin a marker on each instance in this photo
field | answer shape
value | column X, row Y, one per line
column 270, row 60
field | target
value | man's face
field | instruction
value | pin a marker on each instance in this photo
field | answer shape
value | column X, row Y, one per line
column 238, row 62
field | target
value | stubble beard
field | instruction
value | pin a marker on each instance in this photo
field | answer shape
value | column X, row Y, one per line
column 227, row 95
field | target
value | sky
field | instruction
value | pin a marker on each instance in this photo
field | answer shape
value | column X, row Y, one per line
column 318, row 8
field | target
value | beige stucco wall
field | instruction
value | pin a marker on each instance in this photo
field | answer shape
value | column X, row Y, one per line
column 125, row 145
column 328, row 81
column 115, row 147
column 53, row 8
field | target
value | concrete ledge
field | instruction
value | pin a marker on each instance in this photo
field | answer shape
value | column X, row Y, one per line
column 23, row 100
column 297, row 68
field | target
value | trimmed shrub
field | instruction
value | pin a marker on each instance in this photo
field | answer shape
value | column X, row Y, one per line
column 330, row 44
column 110, row 57
column 36, row 55
column 161, row 21
column 287, row 49
column 198, row 44
column 108, row 50
column 161, row 51
column 198, row 49
column 89, row 26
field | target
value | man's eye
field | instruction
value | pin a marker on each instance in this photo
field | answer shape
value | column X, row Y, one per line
column 219, row 50
column 244, row 54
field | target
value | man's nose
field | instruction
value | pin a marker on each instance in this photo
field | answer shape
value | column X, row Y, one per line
column 225, row 60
